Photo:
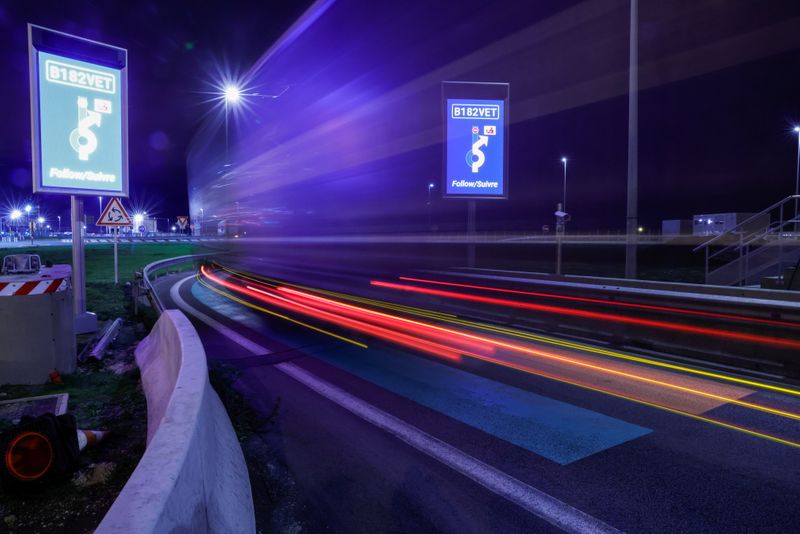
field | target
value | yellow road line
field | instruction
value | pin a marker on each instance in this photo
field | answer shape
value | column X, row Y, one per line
column 281, row 316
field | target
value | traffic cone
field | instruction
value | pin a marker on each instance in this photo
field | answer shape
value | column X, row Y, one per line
column 55, row 378
column 90, row 437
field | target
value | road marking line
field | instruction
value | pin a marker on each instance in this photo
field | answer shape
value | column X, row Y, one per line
column 231, row 334
column 541, row 504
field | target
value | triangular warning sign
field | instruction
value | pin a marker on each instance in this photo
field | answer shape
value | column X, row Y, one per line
column 114, row 215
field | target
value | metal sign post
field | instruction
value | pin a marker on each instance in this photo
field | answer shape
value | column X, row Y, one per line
column 78, row 266
column 116, row 257
column 79, row 131
column 114, row 217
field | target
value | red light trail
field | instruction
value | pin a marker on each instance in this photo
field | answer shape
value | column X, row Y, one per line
column 451, row 344
column 664, row 325
column 606, row 302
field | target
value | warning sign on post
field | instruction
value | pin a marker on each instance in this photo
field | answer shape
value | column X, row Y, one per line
column 114, row 215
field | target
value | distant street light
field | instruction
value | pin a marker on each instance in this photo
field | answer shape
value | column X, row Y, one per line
column 431, row 185
column 59, row 224
column 100, row 204
column 40, row 220
column 28, row 209
column 15, row 214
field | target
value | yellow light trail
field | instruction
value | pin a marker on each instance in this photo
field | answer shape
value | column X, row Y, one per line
column 572, row 361
column 281, row 316
column 540, row 338
column 364, row 300
column 564, row 380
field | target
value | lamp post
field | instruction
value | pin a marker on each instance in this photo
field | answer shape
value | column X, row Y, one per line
column 797, row 176
column 233, row 95
column 564, row 195
column 632, row 204
column 59, row 224
column 431, row 185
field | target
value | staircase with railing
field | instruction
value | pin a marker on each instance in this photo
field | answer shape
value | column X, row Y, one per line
column 750, row 251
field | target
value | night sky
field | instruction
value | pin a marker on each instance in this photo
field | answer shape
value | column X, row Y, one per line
column 719, row 95
column 175, row 49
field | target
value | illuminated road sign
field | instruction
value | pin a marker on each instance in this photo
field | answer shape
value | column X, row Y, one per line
column 114, row 215
column 79, row 115
column 476, row 140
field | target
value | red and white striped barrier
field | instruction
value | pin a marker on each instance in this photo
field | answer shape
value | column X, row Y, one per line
column 33, row 287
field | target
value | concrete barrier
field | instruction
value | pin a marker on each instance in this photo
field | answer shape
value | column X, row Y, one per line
column 192, row 477
column 36, row 326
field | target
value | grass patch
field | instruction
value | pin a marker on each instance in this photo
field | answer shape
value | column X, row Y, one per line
column 103, row 297
column 100, row 258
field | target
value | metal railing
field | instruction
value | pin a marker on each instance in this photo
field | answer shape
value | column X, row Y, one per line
column 744, row 239
column 152, row 269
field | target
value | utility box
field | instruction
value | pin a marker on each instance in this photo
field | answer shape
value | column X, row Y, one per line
column 710, row 224
column 673, row 227
column 37, row 331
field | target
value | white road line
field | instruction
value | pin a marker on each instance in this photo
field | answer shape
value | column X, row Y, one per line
column 547, row 507
column 231, row 334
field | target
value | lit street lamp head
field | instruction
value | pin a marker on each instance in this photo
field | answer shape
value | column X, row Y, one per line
column 28, row 208
column 15, row 214
column 563, row 160
column 232, row 94
column 40, row 220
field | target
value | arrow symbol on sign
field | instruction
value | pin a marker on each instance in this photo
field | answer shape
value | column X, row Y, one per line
column 479, row 158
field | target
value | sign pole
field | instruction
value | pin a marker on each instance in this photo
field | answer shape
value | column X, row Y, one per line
column 78, row 266
column 471, row 209
column 116, row 259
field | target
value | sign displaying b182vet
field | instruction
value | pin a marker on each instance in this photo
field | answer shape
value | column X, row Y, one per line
column 475, row 139
column 78, row 115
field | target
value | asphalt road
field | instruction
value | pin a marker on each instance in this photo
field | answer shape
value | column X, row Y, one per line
column 390, row 439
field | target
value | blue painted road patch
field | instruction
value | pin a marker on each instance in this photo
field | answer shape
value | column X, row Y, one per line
column 558, row 431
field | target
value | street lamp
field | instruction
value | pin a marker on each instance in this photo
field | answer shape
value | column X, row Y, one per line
column 561, row 219
column 59, row 224
column 232, row 94
column 431, row 185
column 28, row 209
column 137, row 219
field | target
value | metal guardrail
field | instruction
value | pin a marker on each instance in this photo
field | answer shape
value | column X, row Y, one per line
column 152, row 269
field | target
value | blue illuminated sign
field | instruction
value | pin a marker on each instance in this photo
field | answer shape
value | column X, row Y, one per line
column 475, row 141
column 79, row 120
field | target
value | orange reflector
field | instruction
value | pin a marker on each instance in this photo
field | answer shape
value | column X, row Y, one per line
column 29, row 456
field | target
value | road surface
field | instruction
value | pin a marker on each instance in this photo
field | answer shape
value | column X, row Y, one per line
column 395, row 417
